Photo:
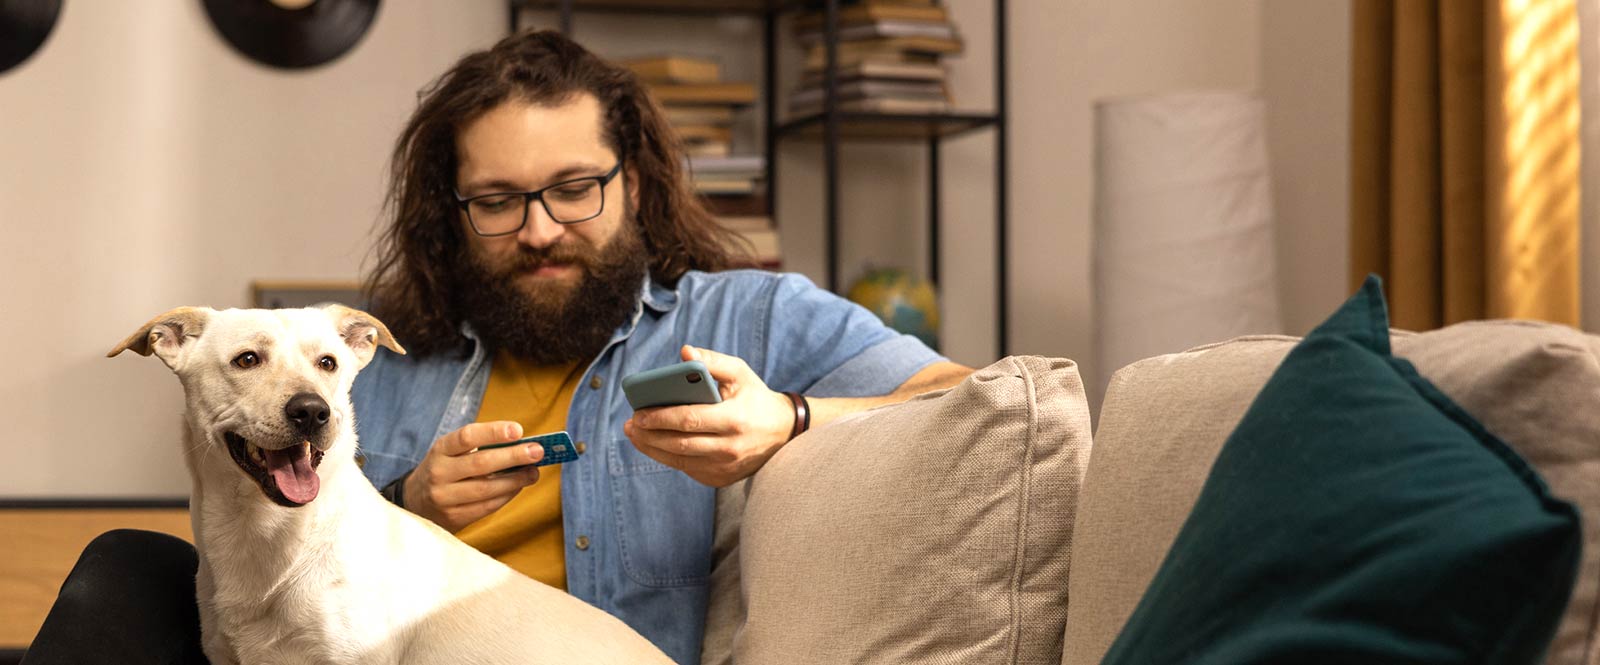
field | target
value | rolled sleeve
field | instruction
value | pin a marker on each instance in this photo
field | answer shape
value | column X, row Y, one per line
column 827, row 346
column 878, row 370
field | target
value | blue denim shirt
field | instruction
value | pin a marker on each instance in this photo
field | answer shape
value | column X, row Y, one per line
column 648, row 526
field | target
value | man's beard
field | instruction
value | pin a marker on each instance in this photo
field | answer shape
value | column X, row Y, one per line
column 560, row 322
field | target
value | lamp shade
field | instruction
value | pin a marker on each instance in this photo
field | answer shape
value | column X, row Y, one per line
column 1183, row 226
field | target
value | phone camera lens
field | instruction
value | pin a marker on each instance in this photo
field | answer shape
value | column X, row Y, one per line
column 692, row 378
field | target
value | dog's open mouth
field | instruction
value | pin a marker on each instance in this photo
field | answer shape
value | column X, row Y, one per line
column 288, row 476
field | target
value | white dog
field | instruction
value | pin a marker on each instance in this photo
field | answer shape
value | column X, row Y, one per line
column 301, row 560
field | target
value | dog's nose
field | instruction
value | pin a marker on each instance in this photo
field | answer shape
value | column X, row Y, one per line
column 308, row 412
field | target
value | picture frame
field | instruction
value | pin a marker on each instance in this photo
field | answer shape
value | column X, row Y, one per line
column 280, row 294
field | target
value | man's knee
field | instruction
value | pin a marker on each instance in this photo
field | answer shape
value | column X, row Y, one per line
column 128, row 561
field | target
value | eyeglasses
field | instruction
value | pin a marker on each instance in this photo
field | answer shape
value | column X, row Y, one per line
column 567, row 202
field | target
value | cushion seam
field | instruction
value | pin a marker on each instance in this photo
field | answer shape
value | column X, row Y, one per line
column 1024, row 478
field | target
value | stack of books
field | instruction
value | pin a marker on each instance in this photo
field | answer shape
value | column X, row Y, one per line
column 727, row 176
column 762, row 236
column 699, row 104
column 747, row 216
column 888, row 58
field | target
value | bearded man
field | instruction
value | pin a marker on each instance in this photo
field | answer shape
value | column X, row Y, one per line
column 544, row 243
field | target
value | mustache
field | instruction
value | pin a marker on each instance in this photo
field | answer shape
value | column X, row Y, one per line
column 528, row 259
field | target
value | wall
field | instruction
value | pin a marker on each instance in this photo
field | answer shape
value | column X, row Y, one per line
column 1305, row 79
column 145, row 165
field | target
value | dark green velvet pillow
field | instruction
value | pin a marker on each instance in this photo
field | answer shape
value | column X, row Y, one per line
column 1357, row 515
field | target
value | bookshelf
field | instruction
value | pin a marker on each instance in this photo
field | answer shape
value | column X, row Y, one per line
column 833, row 126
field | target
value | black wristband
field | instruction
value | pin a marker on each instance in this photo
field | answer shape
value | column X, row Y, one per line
column 395, row 492
column 802, row 414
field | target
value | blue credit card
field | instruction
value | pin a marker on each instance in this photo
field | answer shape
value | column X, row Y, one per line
column 558, row 449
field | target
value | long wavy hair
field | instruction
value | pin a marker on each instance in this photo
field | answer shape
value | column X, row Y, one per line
column 408, row 287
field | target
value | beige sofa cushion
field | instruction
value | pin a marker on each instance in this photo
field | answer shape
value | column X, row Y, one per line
column 933, row 531
column 1164, row 420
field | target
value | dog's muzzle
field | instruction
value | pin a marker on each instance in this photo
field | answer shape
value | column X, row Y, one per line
column 286, row 475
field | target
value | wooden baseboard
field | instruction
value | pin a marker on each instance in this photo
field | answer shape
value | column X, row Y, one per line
column 42, row 540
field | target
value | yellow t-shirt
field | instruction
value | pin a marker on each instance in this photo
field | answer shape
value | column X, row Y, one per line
column 526, row 533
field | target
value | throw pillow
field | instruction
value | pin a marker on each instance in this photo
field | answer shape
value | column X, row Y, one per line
column 938, row 530
column 1357, row 514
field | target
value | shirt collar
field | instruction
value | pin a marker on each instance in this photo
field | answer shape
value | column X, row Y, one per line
column 657, row 296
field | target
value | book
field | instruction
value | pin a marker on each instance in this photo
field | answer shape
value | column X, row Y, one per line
column 734, row 206
column 674, row 69
column 740, row 164
column 879, row 105
column 731, row 186
column 704, row 93
column 703, row 133
column 852, row 59
column 707, row 149
column 868, row 88
column 758, row 230
column 856, row 51
column 678, row 114
column 879, row 29
column 877, row 69
column 819, row 5
column 874, row 11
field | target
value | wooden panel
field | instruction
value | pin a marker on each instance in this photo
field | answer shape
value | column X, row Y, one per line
column 42, row 545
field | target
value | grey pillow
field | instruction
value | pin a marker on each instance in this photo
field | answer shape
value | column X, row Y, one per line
column 933, row 531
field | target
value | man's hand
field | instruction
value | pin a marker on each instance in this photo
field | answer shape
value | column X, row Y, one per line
column 456, row 484
column 717, row 444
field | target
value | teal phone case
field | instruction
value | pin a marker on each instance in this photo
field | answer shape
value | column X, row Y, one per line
column 684, row 383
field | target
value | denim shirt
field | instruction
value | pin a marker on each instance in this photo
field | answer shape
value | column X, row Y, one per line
column 647, row 528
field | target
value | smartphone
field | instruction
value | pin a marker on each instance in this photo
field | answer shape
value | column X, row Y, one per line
column 557, row 446
column 684, row 383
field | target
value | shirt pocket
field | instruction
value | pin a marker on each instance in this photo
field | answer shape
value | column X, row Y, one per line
column 663, row 520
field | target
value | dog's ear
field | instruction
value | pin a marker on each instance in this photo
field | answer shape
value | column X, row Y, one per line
column 362, row 332
column 167, row 335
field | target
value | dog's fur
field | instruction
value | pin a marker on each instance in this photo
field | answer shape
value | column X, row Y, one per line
column 342, row 576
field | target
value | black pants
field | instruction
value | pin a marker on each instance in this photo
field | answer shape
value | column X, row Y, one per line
column 130, row 599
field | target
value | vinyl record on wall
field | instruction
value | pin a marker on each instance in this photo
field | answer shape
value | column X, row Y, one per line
column 24, row 25
column 292, row 34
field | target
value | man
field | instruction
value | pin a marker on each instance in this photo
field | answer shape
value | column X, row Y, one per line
column 545, row 243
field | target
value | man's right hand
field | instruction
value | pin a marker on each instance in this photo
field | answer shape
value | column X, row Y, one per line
column 456, row 484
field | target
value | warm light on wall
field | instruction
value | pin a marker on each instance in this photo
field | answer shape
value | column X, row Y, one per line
column 1532, row 244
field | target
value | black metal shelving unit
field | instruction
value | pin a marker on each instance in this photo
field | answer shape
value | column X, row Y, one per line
column 833, row 126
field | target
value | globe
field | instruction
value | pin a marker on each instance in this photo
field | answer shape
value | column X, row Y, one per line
column 905, row 303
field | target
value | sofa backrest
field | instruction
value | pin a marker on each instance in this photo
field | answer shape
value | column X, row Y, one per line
column 1164, row 419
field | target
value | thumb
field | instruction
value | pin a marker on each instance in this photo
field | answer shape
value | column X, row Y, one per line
column 724, row 368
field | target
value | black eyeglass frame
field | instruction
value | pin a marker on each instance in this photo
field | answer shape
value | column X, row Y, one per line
column 538, row 194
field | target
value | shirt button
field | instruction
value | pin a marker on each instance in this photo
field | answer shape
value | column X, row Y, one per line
column 594, row 382
column 583, row 542
column 581, row 447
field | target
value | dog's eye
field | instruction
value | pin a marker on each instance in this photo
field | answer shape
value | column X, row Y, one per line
column 246, row 360
column 327, row 363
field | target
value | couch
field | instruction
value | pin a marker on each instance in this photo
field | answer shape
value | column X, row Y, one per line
column 985, row 524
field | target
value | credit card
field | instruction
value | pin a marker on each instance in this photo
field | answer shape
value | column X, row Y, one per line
column 557, row 446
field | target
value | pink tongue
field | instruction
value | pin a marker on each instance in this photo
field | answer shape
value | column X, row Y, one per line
column 291, row 469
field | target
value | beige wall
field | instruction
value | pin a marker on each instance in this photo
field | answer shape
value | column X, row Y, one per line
column 147, row 166
column 1305, row 78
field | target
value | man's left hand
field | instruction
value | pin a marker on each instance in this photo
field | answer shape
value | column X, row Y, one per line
column 717, row 444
